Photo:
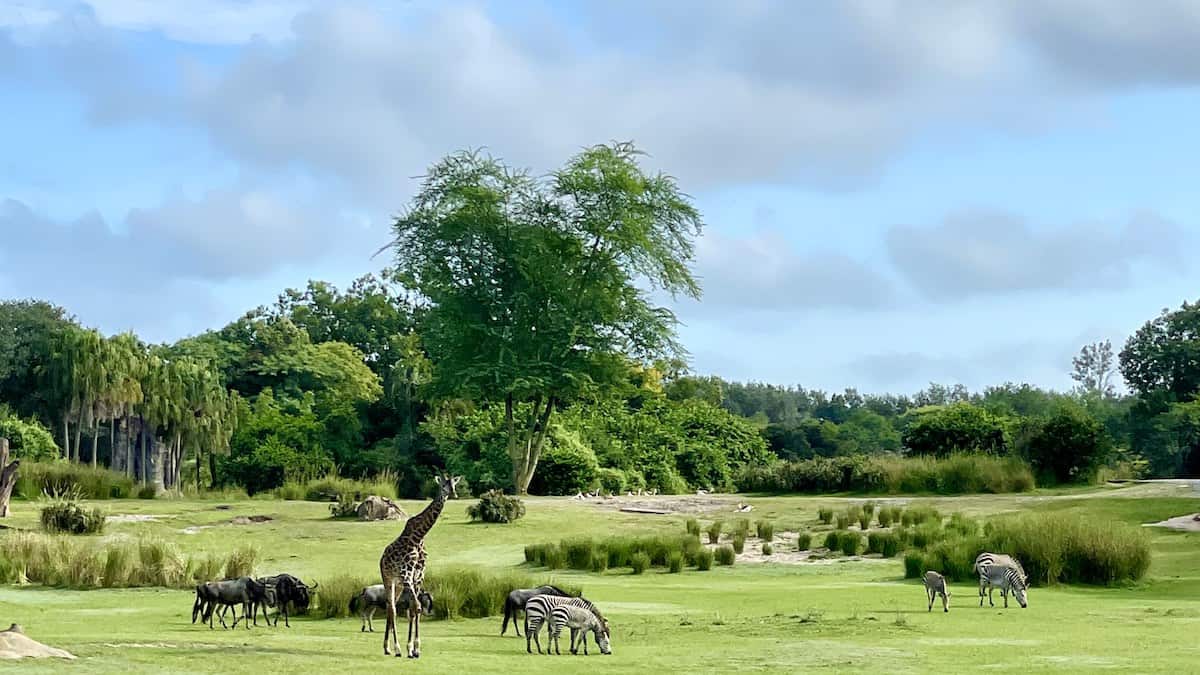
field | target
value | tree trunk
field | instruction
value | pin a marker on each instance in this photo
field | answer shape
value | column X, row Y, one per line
column 212, row 469
column 144, row 453
column 66, row 436
column 8, row 477
column 529, row 450
column 112, row 442
column 197, row 467
column 178, row 463
column 78, row 435
column 95, row 440
column 129, row 446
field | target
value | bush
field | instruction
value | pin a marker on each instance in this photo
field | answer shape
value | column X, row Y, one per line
column 35, row 479
column 1065, row 548
column 1069, row 446
column 147, row 491
column 68, row 517
column 639, row 562
column 765, row 530
column 29, row 441
column 496, row 507
column 767, row 549
column 725, row 555
column 825, row 515
column 803, row 541
column 832, row 540
column 714, row 531
column 704, row 559
column 599, row 562
column 579, row 553
column 739, row 543
column 962, row 525
column 886, row 544
column 335, row 488
column 472, row 594
column 956, row 474
column 959, row 427
column 693, row 527
column 611, row 480
column 914, row 565
column 332, row 597
column 850, row 542
column 675, row 562
column 566, row 467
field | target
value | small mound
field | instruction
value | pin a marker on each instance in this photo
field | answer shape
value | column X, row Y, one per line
column 14, row 644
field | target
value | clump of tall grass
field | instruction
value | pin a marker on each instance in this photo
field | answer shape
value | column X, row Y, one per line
column 885, row 517
column 66, row 516
column 843, row 521
column 825, row 515
column 704, row 559
column 1066, row 548
column 599, row 562
column 957, row 474
column 714, row 531
column 765, row 530
column 915, row 515
column 887, row 544
column 639, row 562
column 850, row 542
column 56, row 478
column 767, row 549
column 331, row 487
column 803, row 541
column 832, row 540
column 675, row 562
column 725, row 555
column 333, row 595
column 693, row 527
column 619, row 551
column 739, row 543
column 742, row 526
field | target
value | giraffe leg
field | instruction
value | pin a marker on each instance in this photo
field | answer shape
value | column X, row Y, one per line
column 391, row 615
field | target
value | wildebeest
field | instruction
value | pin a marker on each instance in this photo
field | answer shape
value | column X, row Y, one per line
column 229, row 593
column 517, row 600
column 374, row 597
column 288, row 591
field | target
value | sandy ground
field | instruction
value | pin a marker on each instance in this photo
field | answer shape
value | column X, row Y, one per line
column 14, row 644
column 133, row 518
column 1188, row 523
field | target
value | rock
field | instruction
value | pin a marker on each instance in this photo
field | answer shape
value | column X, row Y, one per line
column 14, row 644
column 380, row 508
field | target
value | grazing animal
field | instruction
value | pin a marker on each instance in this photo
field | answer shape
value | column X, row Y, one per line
column 515, row 602
column 288, row 591
column 374, row 597
column 1006, row 578
column 935, row 585
column 538, row 610
column 402, row 567
column 581, row 621
column 986, row 560
column 228, row 594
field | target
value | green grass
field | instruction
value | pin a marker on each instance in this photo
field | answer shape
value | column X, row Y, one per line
column 772, row 617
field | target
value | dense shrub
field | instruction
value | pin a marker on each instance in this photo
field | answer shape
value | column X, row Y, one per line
column 714, row 531
column 35, row 479
column 803, row 541
column 767, row 549
column 725, row 555
column 639, row 562
column 496, row 507
column 28, row 439
column 147, row 491
column 765, row 530
column 959, row 427
column 956, row 474
column 68, row 517
column 704, row 559
column 67, row 562
column 612, row 481
column 1069, row 446
column 825, row 515
column 566, row 467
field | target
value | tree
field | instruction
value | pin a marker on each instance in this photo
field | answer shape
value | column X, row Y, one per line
column 1164, row 354
column 959, row 427
column 1068, row 446
column 1093, row 370
column 538, row 288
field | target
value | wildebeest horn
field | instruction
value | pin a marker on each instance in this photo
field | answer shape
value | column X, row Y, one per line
column 313, row 587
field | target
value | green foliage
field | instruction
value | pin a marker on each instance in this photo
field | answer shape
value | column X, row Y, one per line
column 765, row 530
column 675, row 562
column 68, row 517
column 843, row 521
column 917, row 514
column 612, row 481
column 59, row 478
column 599, row 563
column 1067, row 548
column 832, row 540
column 885, row 517
column 739, row 542
column 714, row 531
column 275, row 442
column 725, row 555
column 567, row 466
column 639, row 562
column 767, row 549
column 344, row 507
column 741, row 526
column 693, row 527
column 704, row 559
column 28, row 439
column 850, row 542
column 825, row 515
column 147, row 491
column 496, row 507
column 804, row 541
column 887, row 544
column 1164, row 354
column 1069, row 446
column 961, row 427
column 958, row 474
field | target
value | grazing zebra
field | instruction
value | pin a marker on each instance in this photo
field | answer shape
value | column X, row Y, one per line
column 581, row 621
column 515, row 602
column 537, row 612
column 935, row 585
column 986, row 560
column 1006, row 578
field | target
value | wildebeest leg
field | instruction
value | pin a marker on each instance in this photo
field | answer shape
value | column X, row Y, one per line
column 517, row 626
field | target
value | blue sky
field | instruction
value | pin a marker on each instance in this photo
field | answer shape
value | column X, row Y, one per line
column 895, row 192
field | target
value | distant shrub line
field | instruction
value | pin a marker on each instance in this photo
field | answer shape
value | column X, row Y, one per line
column 671, row 552
column 956, row 474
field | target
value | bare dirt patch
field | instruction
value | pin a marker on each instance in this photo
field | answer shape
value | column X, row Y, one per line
column 134, row 518
column 784, row 552
column 1188, row 523
column 668, row 504
column 14, row 644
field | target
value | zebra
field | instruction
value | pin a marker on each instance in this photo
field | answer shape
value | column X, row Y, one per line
column 581, row 621
column 987, row 560
column 935, row 585
column 537, row 612
column 1007, row 578
column 515, row 602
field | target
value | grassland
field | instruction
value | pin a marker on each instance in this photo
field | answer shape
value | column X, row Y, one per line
column 838, row 617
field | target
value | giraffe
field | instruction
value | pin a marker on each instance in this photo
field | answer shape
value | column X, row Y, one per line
column 402, row 567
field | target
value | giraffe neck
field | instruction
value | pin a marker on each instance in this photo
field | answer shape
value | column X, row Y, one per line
column 419, row 525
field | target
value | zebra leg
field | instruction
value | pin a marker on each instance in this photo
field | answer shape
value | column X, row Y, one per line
column 945, row 602
column 1004, row 594
column 981, row 586
column 929, row 594
column 991, row 590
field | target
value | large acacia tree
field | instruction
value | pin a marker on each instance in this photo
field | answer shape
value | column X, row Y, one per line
column 539, row 288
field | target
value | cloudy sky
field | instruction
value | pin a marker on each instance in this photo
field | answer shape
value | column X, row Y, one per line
column 896, row 192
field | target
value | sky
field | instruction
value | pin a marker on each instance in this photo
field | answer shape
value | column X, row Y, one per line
column 894, row 192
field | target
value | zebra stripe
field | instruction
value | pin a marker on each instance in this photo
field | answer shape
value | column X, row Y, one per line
column 581, row 622
column 537, row 612
column 1006, row 578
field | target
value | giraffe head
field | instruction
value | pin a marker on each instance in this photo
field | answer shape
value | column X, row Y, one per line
column 448, row 484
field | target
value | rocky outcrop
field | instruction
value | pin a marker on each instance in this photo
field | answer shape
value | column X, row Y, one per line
column 14, row 644
column 380, row 508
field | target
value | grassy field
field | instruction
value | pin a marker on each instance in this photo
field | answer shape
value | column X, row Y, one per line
column 840, row 617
